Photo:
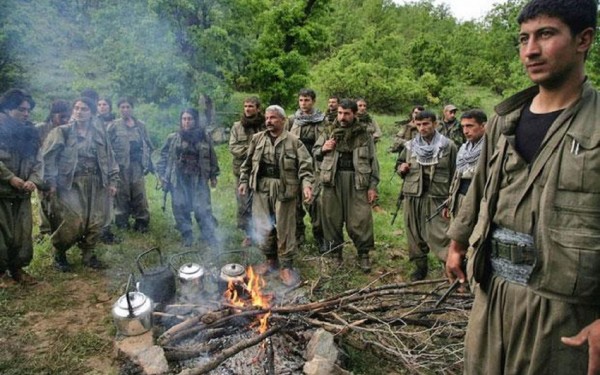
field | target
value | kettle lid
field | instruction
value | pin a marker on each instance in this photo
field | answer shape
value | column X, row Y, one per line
column 233, row 270
column 137, row 300
column 190, row 269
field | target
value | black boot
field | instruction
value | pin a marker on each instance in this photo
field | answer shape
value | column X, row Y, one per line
column 420, row 273
column 61, row 263
column 140, row 226
column 108, row 237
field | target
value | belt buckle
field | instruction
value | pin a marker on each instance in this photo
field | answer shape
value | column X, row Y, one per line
column 516, row 253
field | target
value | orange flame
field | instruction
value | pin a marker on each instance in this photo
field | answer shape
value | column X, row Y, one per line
column 258, row 299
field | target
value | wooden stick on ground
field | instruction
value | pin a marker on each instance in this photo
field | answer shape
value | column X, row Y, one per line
column 214, row 362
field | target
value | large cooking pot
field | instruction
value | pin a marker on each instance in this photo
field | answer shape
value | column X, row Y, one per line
column 157, row 282
column 132, row 312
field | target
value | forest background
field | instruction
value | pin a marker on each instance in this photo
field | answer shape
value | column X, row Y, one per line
column 210, row 54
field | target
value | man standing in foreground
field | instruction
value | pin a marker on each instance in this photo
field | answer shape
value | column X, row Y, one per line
column 276, row 167
column 531, row 218
column 349, row 173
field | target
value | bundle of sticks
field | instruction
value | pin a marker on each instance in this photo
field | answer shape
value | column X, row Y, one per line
column 399, row 322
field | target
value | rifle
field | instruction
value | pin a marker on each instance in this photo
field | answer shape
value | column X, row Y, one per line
column 455, row 285
column 165, row 188
column 438, row 210
column 398, row 205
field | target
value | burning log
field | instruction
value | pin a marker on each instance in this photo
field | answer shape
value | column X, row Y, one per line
column 229, row 352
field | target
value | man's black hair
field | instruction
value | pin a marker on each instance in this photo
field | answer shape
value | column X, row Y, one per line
column 90, row 93
column 13, row 98
column 476, row 114
column 126, row 99
column 89, row 102
column 426, row 115
column 58, row 106
column 577, row 14
column 334, row 97
column 195, row 114
column 308, row 92
column 254, row 100
column 349, row 104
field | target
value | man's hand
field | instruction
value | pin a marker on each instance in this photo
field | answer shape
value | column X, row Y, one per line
column 403, row 169
column 329, row 145
column 445, row 213
column 213, row 182
column 29, row 186
column 456, row 254
column 591, row 336
column 243, row 189
column 51, row 192
column 307, row 194
column 112, row 190
column 372, row 195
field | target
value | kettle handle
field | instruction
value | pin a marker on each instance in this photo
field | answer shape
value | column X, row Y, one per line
column 129, row 307
column 180, row 255
column 146, row 253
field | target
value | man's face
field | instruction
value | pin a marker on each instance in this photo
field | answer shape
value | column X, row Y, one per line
column 472, row 130
column 21, row 113
column 187, row 122
column 415, row 112
column 548, row 51
column 250, row 109
column 449, row 115
column 332, row 104
column 345, row 116
column 103, row 107
column 126, row 110
column 426, row 128
column 306, row 103
column 60, row 118
column 274, row 123
column 362, row 106
column 81, row 112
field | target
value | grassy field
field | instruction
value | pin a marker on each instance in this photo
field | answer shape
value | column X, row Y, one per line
column 63, row 325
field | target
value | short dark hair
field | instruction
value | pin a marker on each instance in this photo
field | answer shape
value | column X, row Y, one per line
column 308, row 92
column 577, row 14
column 476, row 114
column 254, row 100
column 334, row 97
column 13, row 98
column 426, row 115
column 195, row 114
column 90, row 93
column 88, row 101
column 349, row 104
column 58, row 106
column 419, row 107
column 125, row 99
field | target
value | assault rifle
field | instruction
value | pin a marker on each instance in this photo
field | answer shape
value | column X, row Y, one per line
column 438, row 210
column 398, row 205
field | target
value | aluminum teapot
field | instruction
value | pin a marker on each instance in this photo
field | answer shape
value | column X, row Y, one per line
column 132, row 312
column 188, row 272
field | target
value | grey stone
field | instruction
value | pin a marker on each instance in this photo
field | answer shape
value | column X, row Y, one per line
column 321, row 344
column 141, row 351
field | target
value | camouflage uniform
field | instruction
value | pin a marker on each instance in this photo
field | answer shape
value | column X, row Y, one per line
column 406, row 133
column 239, row 140
column 132, row 148
column 453, row 131
column 187, row 162
column 555, row 199
column 276, row 171
column 308, row 133
column 22, row 160
column 346, row 174
column 80, row 169
column 44, row 129
column 426, row 187
column 372, row 127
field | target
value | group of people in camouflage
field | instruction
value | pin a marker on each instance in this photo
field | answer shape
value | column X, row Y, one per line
column 321, row 163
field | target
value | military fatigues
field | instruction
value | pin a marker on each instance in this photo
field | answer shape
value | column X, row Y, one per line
column 406, row 133
column 44, row 129
column 81, row 168
column 109, row 205
column 276, row 171
column 187, row 164
column 453, row 131
column 239, row 140
column 425, row 188
column 16, row 247
column 308, row 134
column 346, row 174
column 132, row 148
column 555, row 200
column 459, row 188
column 372, row 126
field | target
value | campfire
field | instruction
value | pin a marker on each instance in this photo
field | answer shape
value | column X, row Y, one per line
column 253, row 325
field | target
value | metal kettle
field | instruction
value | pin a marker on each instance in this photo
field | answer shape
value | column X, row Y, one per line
column 132, row 312
column 189, row 272
column 158, row 282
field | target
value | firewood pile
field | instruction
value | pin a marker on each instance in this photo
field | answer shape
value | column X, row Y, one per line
column 396, row 322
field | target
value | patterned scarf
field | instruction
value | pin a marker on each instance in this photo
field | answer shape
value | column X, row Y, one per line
column 256, row 122
column 428, row 153
column 331, row 115
column 467, row 156
column 364, row 118
column 302, row 118
column 348, row 138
